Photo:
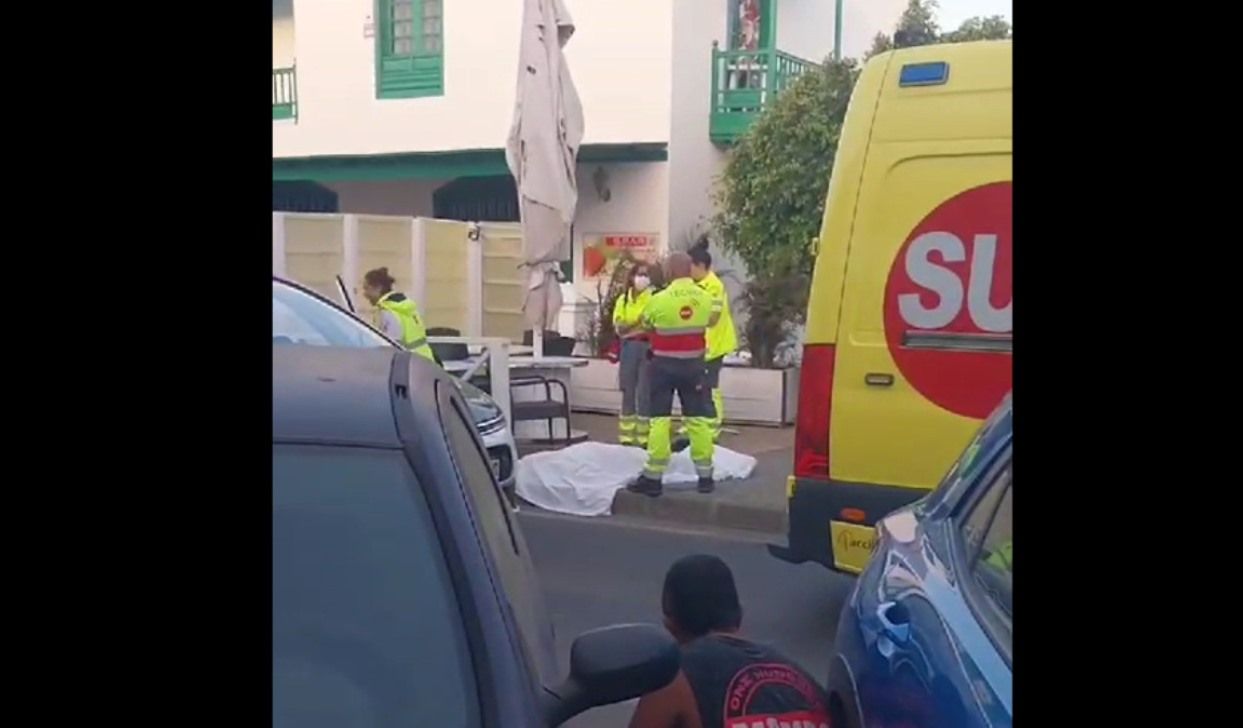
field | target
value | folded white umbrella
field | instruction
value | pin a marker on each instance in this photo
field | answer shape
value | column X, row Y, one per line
column 541, row 152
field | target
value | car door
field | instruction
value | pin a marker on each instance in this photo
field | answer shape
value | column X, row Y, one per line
column 938, row 651
column 343, row 294
column 502, row 537
column 366, row 624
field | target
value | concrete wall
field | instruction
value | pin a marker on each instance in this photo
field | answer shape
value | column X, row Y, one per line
column 619, row 58
column 503, row 281
column 447, row 301
column 282, row 34
column 314, row 252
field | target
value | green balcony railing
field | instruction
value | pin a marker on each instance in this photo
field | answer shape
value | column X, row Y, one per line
column 284, row 93
column 744, row 83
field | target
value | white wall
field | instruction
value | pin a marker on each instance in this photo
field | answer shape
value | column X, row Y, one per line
column 619, row 59
column 282, row 34
column 694, row 161
column 639, row 203
column 411, row 198
column 805, row 27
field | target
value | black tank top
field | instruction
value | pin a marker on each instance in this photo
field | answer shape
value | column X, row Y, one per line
column 739, row 684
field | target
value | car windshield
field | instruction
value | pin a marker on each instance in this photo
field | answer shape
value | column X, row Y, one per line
column 301, row 318
column 366, row 629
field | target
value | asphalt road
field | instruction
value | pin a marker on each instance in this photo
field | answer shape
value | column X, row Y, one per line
column 603, row 571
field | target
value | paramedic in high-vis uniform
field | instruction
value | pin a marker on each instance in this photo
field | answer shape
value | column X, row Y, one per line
column 722, row 338
column 676, row 319
column 395, row 314
column 633, row 422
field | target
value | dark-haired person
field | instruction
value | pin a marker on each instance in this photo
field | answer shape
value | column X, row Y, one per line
column 633, row 422
column 722, row 338
column 395, row 313
column 726, row 681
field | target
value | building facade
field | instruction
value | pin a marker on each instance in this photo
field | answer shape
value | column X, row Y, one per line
column 402, row 107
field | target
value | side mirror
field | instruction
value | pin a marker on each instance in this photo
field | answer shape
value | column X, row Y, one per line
column 610, row 665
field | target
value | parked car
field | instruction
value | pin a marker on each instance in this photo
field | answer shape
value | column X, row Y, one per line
column 402, row 589
column 301, row 316
column 925, row 639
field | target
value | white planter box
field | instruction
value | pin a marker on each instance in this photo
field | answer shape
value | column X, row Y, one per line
column 760, row 396
column 593, row 388
column 752, row 396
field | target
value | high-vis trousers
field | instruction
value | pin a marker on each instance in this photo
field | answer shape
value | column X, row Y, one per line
column 713, row 370
column 687, row 378
column 632, row 376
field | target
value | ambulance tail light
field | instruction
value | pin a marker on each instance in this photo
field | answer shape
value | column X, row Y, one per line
column 815, row 392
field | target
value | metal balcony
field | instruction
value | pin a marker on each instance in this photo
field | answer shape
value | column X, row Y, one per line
column 744, row 83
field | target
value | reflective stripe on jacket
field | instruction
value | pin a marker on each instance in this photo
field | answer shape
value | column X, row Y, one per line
column 677, row 318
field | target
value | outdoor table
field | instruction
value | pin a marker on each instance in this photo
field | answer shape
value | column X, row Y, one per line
column 550, row 367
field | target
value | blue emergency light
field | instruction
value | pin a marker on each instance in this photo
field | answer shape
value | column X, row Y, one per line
column 924, row 74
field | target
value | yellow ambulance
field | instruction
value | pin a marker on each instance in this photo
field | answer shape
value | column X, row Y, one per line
column 908, row 344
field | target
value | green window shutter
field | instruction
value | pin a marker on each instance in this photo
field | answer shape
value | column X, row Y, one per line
column 409, row 49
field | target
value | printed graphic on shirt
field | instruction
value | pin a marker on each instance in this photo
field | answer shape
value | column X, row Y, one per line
column 773, row 695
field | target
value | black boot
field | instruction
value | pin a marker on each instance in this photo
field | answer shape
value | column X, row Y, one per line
column 646, row 486
column 705, row 485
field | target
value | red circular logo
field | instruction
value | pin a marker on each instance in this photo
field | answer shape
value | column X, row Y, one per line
column 948, row 302
column 686, row 312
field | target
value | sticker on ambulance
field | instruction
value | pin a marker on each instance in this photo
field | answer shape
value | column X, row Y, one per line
column 852, row 545
column 948, row 302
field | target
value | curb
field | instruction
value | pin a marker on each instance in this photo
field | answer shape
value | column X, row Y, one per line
column 691, row 507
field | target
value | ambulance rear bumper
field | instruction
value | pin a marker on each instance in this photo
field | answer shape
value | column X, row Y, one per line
column 814, row 504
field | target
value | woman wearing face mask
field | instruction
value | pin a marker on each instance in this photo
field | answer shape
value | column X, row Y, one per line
column 632, row 425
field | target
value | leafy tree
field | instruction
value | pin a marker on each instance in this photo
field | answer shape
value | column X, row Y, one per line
column 771, row 194
column 771, row 199
column 918, row 26
column 993, row 27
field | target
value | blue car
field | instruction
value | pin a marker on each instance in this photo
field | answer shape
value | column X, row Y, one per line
column 925, row 639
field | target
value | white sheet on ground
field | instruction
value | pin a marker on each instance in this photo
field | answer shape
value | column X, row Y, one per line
column 582, row 479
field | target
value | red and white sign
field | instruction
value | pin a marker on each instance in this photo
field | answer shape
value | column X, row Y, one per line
column 629, row 242
column 952, row 281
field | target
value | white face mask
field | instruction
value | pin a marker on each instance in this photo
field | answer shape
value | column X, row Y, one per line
column 642, row 282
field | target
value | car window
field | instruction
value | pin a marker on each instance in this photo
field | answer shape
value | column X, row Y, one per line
column 993, row 566
column 974, row 524
column 987, row 538
column 499, row 532
column 990, row 435
column 480, row 481
column 366, row 629
column 301, row 318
